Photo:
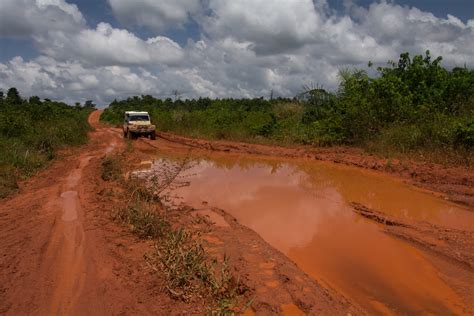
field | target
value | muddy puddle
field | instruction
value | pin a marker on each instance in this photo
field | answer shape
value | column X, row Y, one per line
column 302, row 208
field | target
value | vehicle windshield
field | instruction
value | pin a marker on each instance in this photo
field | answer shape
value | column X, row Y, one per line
column 139, row 118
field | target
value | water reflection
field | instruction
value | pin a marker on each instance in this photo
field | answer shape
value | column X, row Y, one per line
column 302, row 209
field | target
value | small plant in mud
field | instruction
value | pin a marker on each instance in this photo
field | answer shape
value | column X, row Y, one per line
column 226, row 289
column 165, row 177
column 8, row 182
column 143, row 220
column 137, row 191
column 170, row 175
column 111, row 168
column 191, row 273
column 182, row 258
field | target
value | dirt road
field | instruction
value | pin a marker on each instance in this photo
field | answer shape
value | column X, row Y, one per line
column 61, row 254
column 58, row 254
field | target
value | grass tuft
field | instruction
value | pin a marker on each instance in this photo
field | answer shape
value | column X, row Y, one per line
column 8, row 182
column 143, row 220
column 191, row 273
column 111, row 168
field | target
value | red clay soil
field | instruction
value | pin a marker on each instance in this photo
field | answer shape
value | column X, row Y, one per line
column 60, row 252
column 453, row 244
column 453, row 183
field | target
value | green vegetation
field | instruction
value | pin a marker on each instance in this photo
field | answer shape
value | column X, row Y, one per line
column 111, row 169
column 413, row 106
column 189, row 272
column 31, row 131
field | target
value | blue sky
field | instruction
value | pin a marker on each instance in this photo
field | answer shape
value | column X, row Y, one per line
column 96, row 11
column 106, row 49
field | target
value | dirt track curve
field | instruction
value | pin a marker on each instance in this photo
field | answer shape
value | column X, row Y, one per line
column 53, row 254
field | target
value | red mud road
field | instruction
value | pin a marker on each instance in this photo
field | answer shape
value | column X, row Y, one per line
column 51, row 254
column 60, row 253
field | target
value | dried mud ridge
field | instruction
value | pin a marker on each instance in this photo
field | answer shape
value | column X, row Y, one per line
column 274, row 279
column 454, row 183
column 455, row 245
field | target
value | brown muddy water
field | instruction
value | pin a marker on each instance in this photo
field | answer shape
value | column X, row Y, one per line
column 302, row 208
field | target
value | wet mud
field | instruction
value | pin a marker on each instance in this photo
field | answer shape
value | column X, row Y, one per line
column 306, row 237
column 455, row 183
column 306, row 210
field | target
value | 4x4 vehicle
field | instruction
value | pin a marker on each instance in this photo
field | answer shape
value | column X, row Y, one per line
column 138, row 124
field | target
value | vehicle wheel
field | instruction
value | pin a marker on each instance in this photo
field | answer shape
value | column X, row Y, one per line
column 153, row 135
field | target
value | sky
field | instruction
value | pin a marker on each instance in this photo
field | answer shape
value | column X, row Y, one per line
column 103, row 50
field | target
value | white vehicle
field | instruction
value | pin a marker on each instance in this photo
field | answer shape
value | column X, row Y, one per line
column 138, row 124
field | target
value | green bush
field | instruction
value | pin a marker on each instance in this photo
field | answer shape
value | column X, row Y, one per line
column 464, row 135
column 8, row 181
column 31, row 131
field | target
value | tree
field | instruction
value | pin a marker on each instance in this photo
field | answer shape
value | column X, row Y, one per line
column 89, row 104
column 34, row 100
column 13, row 96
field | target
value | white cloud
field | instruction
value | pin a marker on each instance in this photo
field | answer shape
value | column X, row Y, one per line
column 247, row 47
column 71, row 81
column 270, row 27
column 157, row 15
column 70, row 9
column 106, row 45
column 409, row 29
column 378, row 33
column 60, row 31
column 29, row 17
